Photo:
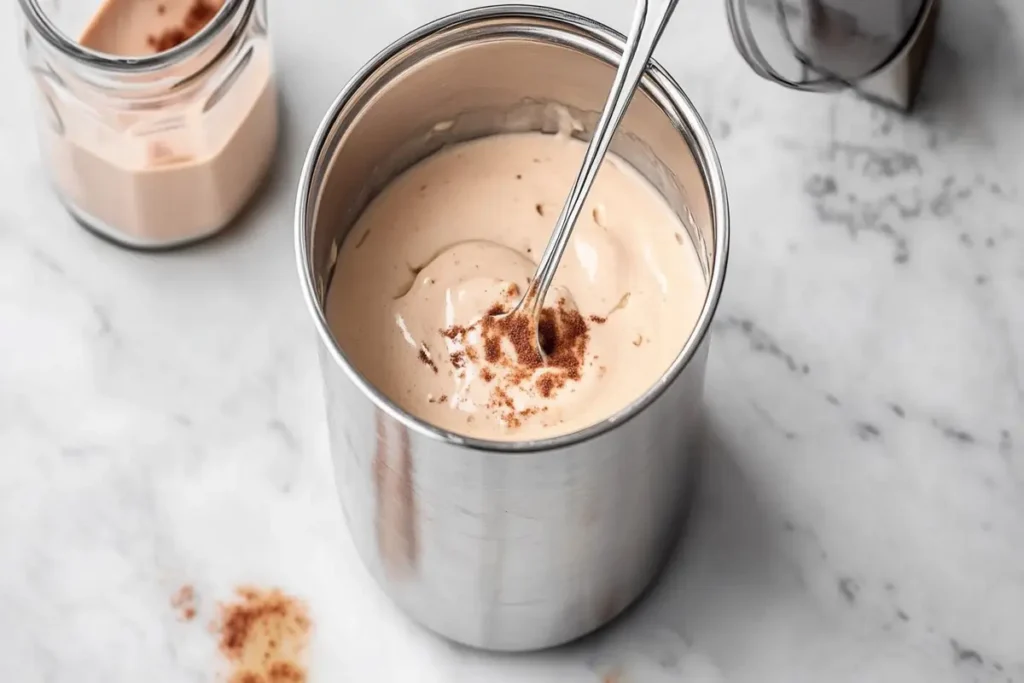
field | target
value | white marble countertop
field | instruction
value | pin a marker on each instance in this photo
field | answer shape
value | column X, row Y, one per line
column 861, row 519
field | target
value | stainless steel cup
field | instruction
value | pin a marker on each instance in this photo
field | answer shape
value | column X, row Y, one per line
column 507, row 546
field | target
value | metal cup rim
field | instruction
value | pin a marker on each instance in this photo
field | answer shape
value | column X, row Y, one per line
column 706, row 158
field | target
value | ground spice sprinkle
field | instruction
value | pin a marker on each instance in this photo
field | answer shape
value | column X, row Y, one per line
column 511, row 358
column 198, row 16
column 184, row 600
column 427, row 360
column 263, row 635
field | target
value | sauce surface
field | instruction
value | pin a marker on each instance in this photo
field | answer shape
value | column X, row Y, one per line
column 424, row 278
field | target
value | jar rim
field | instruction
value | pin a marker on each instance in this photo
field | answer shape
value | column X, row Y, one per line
column 70, row 47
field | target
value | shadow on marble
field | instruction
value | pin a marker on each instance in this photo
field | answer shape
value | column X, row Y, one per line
column 730, row 547
column 974, row 72
column 727, row 555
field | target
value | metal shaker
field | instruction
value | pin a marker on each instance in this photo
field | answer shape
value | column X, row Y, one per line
column 877, row 47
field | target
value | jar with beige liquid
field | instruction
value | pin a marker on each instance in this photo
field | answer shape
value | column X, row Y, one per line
column 157, row 118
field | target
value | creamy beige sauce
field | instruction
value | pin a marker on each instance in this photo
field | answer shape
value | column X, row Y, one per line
column 458, row 235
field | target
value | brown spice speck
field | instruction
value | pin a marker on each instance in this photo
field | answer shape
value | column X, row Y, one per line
column 600, row 320
column 539, row 209
column 198, row 16
column 286, row 672
column 502, row 399
column 454, row 332
column 184, row 600
column 546, row 384
column 492, row 349
column 427, row 360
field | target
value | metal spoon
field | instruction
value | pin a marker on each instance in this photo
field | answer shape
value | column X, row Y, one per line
column 648, row 24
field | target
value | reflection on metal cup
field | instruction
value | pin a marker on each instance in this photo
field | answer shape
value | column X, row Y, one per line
column 499, row 545
column 876, row 47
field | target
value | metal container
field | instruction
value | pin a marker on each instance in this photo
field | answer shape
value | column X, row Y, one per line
column 878, row 48
column 525, row 545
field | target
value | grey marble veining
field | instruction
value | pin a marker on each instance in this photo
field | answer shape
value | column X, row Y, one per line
column 861, row 510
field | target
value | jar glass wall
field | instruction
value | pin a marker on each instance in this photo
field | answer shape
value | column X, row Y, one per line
column 162, row 148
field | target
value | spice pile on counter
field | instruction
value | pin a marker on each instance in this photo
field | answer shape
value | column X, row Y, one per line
column 264, row 635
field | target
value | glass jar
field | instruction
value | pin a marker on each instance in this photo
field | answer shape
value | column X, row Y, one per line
column 161, row 149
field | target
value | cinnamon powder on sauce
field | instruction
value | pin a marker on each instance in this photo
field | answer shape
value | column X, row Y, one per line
column 427, row 360
column 199, row 15
column 563, row 334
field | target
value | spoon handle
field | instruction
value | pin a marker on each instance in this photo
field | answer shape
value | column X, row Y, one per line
column 649, row 20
